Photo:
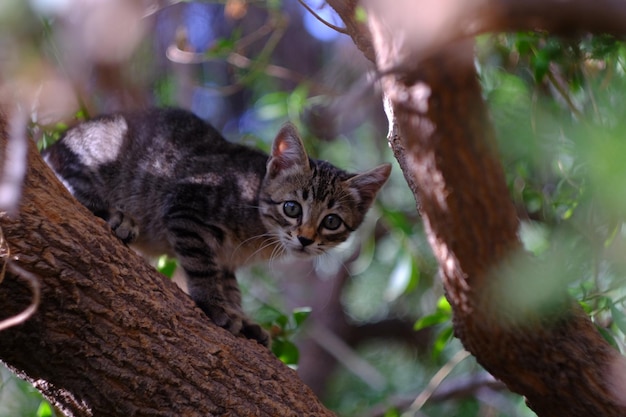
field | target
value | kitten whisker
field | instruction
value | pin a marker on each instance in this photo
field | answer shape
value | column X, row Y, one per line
column 250, row 239
column 269, row 240
column 277, row 253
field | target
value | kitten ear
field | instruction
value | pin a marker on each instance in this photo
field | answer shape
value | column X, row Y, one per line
column 287, row 151
column 369, row 183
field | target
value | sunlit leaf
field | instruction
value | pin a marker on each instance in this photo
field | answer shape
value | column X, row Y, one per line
column 44, row 410
column 286, row 351
column 442, row 339
column 360, row 14
column 534, row 237
column 430, row 320
column 167, row 266
column 400, row 278
column 586, row 307
column 301, row 314
column 443, row 305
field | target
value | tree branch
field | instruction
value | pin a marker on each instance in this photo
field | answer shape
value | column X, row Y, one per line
column 429, row 25
column 555, row 16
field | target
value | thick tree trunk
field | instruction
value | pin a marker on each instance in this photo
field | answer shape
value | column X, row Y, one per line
column 549, row 351
column 112, row 337
column 538, row 349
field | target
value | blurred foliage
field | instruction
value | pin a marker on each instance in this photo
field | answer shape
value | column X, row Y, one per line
column 282, row 328
column 558, row 110
column 557, row 106
column 20, row 399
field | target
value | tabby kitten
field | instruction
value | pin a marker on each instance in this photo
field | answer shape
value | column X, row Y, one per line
column 169, row 183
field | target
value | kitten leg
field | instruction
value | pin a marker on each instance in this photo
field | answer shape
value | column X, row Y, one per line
column 123, row 226
column 217, row 294
column 249, row 329
column 214, row 289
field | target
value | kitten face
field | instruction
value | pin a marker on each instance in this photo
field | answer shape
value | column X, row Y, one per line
column 311, row 206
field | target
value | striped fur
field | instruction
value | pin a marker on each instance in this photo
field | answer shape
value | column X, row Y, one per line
column 169, row 183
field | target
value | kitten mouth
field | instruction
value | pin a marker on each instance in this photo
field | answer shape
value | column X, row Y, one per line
column 301, row 252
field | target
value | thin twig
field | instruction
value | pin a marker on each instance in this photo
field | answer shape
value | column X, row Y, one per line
column 35, row 288
column 347, row 357
column 177, row 55
column 436, row 380
column 323, row 21
column 459, row 387
column 247, row 40
column 564, row 94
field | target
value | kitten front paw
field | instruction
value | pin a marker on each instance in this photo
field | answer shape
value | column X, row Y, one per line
column 253, row 331
column 123, row 226
column 236, row 322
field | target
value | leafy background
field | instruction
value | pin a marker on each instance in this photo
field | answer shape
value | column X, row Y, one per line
column 368, row 326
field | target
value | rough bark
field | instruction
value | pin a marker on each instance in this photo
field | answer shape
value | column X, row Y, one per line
column 445, row 145
column 112, row 337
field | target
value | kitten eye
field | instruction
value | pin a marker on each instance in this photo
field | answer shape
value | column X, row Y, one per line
column 332, row 222
column 292, row 209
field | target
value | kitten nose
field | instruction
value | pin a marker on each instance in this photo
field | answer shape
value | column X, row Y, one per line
column 305, row 241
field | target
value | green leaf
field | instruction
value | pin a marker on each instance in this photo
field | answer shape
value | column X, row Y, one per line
column 609, row 241
column 286, row 351
column 44, row 410
column 442, row 315
column 272, row 106
column 300, row 315
column 443, row 305
column 524, row 43
column 400, row 278
column 392, row 412
column 551, row 51
column 442, row 339
column 268, row 315
column 619, row 318
column 167, row 266
column 586, row 307
column 360, row 14
column 297, row 101
column 608, row 336
column 398, row 220
column 431, row 320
